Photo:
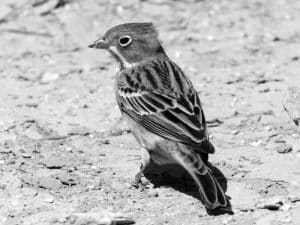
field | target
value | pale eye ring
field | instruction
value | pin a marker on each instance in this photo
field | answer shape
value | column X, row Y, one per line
column 125, row 40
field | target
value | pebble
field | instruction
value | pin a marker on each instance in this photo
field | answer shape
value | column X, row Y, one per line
column 296, row 147
column 273, row 203
column 145, row 181
column 227, row 220
column 285, row 207
column 106, row 141
column 293, row 198
column 286, row 219
column 32, row 105
column 54, row 163
column 5, row 150
column 49, row 77
column 80, row 130
column 26, row 155
column 286, row 148
column 291, row 103
column 153, row 193
column 67, row 179
column 49, row 183
column 256, row 143
column 49, row 200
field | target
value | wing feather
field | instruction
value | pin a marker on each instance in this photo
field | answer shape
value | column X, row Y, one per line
column 176, row 116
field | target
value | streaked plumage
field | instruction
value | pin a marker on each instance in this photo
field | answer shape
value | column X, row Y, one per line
column 162, row 107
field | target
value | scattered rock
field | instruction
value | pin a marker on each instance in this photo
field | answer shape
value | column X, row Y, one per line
column 3, row 187
column 256, row 143
column 214, row 122
column 285, row 207
column 49, row 200
column 105, row 141
column 153, row 193
column 48, row 183
column 103, row 217
column 296, row 147
column 273, row 203
column 55, row 163
column 227, row 220
column 82, row 131
column 291, row 103
column 44, row 7
column 48, row 77
column 67, row 179
column 256, row 160
column 32, row 105
column 145, row 181
column 285, row 219
column 286, row 148
column 294, row 199
column 26, row 155
column 279, row 140
column 5, row 150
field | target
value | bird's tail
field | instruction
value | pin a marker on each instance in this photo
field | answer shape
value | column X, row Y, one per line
column 211, row 192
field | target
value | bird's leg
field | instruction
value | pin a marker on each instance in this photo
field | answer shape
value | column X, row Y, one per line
column 144, row 164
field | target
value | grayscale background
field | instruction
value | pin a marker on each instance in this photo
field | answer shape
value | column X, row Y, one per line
column 67, row 157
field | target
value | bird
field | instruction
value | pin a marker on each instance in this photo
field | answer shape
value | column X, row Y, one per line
column 161, row 106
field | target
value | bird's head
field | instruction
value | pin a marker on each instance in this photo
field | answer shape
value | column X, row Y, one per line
column 130, row 43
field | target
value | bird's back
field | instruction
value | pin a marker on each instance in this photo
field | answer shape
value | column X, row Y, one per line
column 159, row 75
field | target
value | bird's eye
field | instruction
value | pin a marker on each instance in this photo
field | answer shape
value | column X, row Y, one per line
column 124, row 40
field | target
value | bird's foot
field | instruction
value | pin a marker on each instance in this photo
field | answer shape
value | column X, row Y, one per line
column 140, row 181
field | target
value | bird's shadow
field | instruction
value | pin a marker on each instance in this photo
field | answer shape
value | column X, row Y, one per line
column 176, row 177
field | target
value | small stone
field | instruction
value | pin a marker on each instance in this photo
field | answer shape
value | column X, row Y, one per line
column 294, row 199
column 256, row 143
column 285, row 219
column 235, row 132
column 276, row 38
column 296, row 147
column 5, row 150
column 54, row 163
column 291, row 103
column 106, row 142
column 285, row 207
column 69, row 149
column 32, row 105
column 256, row 160
column 2, row 186
column 67, row 179
column 48, row 183
column 227, row 220
column 153, row 193
column 273, row 203
column 26, row 155
column 279, row 141
column 284, row 148
column 82, row 131
column 145, row 181
column 49, row 77
column 49, row 200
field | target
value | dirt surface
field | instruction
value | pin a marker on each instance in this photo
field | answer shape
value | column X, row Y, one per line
column 66, row 156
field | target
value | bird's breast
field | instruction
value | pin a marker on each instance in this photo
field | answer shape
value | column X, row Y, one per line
column 161, row 150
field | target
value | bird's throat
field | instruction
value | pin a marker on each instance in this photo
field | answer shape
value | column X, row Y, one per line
column 124, row 64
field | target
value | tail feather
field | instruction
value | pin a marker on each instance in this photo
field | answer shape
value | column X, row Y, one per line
column 211, row 192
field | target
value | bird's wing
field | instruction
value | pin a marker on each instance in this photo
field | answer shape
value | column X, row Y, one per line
column 180, row 119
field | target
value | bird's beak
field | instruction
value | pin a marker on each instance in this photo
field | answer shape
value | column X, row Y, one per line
column 100, row 43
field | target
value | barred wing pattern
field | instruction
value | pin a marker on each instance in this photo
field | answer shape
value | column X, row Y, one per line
column 159, row 97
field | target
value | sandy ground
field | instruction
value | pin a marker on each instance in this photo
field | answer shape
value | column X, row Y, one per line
column 66, row 157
